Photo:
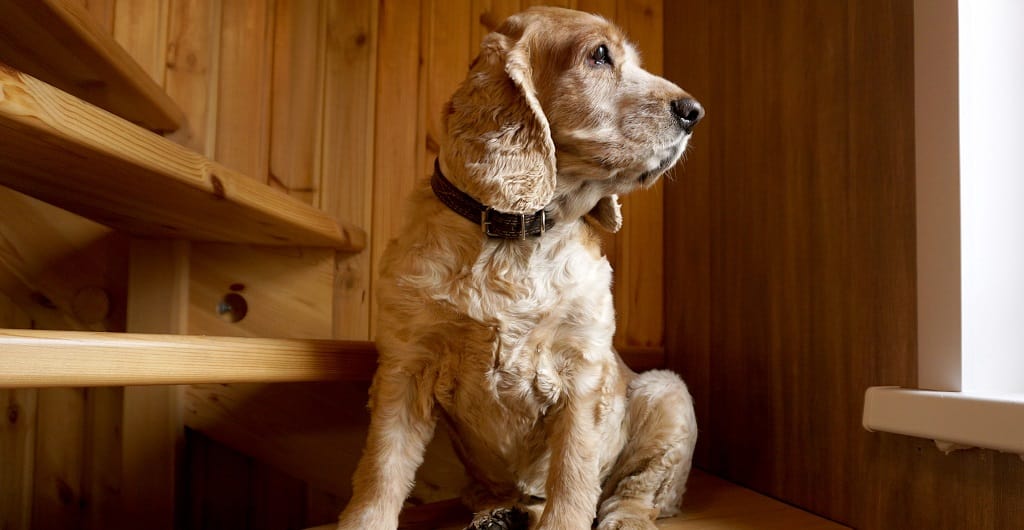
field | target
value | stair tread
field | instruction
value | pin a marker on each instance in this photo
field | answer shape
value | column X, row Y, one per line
column 59, row 42
column 710, row 504
column 64, row 151
column 33, row 358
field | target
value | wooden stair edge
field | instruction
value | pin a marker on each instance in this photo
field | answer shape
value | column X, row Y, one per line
column 36, row 358
column 711, row 503
column 61, row 150
column 32, row 358
column 61, row 43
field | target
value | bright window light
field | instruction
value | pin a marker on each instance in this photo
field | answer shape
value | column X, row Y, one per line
column 991, row 48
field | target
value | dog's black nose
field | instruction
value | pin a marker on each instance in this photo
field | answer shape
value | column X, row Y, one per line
column 688, row 111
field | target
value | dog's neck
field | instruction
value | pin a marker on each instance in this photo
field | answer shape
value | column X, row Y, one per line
column 575, row 198
column 493, row 223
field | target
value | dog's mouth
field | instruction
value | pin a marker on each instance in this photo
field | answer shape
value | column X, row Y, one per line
column 649, row 177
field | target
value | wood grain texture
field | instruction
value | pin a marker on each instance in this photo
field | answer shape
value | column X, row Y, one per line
column 61, row 358
column 297, row 97
column 102, row 12
column 129, row 178
column 397, row 137
column 795, row 265
column 152, row 425
column 637, row 252
column 61, row 43
column 688, row 210
column 141, row 29
column 58, row 269
column 244, row 86
column 605, row 8
column 102, row 466
column 347, row 146
column 447, row 48
column 287, row 291
column 715, row 504
column 57, row 493
column 17, row 457
column 487, row 15
column 192, row 71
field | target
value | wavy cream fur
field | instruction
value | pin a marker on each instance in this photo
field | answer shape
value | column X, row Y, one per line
column 509, row 342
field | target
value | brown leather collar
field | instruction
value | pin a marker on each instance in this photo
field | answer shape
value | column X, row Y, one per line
column 492, row 222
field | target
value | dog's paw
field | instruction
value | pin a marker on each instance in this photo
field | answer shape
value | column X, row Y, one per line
column 612, row 522
column 501, row 519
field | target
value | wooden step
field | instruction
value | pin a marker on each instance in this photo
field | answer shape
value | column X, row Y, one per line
column 31, row 358
column 710, row 504
column 61, row 150
column 59, row 42
column 34, row 358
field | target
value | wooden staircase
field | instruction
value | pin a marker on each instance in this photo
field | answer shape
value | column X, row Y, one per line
column 198, row 233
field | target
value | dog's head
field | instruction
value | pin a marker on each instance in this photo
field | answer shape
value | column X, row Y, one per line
column 557, row 109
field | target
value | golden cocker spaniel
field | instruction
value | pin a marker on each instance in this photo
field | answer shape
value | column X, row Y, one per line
column 495, row 308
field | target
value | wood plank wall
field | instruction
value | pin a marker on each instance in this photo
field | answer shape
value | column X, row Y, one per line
column 792, row 250
column 337, row 103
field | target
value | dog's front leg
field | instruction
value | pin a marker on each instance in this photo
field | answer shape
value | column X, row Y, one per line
column 402, row 422
column 573, row 483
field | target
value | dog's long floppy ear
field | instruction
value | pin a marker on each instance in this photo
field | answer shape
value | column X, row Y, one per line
column 497, row 145
column 607, row 213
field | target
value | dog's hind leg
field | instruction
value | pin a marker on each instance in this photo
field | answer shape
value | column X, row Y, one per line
column 402, row 422
column 649, row 478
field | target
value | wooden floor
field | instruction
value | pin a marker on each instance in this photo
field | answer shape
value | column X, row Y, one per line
column 714, row 504
column 710, row 504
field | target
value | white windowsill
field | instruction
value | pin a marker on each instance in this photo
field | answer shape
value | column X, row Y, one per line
column 952, row 419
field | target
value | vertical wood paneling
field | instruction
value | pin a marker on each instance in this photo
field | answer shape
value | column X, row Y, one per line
column 423, row 84
column 60, row 272
column 795, row 264
column 296, row 97
column 570, row 4
column 193, row 60
column 688, row 204
column 243, row 88
column 17, row 456
column 141, row 28
column 396, row 134
column 102, row 465
column 605, row 8
column 102, row 11
column 487, row 16
column 448, row 52
column 637, row 256
column 57, row 500
column 347, row 147
column 152, row 418
column 152, row 424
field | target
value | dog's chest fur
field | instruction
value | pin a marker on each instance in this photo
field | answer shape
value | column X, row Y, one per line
column 499, row 331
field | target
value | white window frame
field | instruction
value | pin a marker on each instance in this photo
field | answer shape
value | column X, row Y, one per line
column 938, row 409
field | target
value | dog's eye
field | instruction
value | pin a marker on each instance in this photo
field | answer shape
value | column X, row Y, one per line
column 600, row 56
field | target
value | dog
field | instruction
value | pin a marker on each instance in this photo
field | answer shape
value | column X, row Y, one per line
column 495, row 305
